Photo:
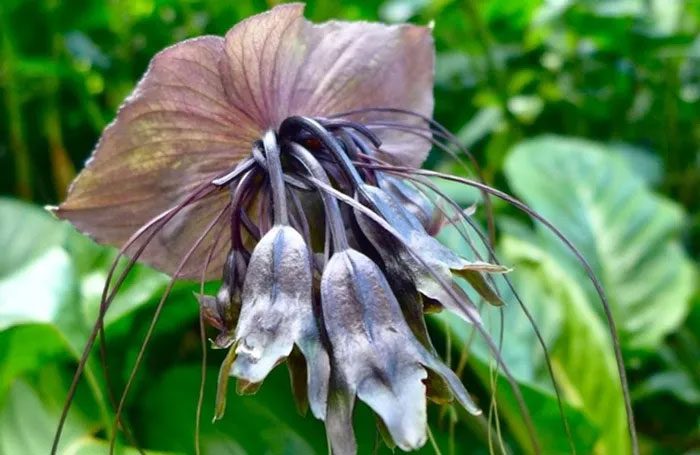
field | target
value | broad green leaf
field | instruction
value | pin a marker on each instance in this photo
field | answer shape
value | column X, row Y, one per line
column 49, row 296
column 677, row 371
column 141, row 286
column 25, row 349
column 26, row 232
column 37, row 291
column 525, row 361
column 28, row 423
column 628, row 234
column 581, row 351
column 522, row 353
column 53, row 275
column 27, row 426
column 577, row 341
column 92, row 263
column 677, row 383
column 641, row 162
column 38, row 284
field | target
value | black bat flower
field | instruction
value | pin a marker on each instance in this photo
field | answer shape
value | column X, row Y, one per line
column 231, row 159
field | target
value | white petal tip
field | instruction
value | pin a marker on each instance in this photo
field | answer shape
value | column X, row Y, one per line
column 412, row 441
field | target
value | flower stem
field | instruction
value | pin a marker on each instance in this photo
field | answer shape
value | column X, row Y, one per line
column 330, row 205
column 328, row 142
column 274, row 169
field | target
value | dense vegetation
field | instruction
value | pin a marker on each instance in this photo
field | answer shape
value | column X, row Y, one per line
column 587, row 110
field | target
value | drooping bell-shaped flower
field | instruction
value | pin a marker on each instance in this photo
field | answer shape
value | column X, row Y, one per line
column 431, row 218
column 279, row 158
column 277, row 313
column 375, row 356
column 222, row 310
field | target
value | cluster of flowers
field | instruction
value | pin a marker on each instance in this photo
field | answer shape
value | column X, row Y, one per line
column 284, row 155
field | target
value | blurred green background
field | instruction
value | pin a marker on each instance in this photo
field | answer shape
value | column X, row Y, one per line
column 587, row 110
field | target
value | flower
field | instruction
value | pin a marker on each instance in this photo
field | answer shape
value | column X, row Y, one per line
column 375, row 355
column 277, row 313
column 232, row 157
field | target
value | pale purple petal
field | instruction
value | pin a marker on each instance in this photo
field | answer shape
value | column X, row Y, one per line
column 279, row 64
column 174, row 132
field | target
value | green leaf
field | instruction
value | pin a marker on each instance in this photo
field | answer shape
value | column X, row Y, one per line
column 677, row 383
column 640, row 161
column 140, row 287
column 522, row 353
column 25, row 349
column 38, row 283
column 524, row 359
column 49, row 296
column 576, row 338
column 485, row 121
column 27, row 426
column 52, row 274
column 580, row 349
column 627, row 233
column 26, row 232
column 28, row 423
column 37, row 291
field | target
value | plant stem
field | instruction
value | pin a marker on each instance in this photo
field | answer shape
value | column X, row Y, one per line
column 274, row 170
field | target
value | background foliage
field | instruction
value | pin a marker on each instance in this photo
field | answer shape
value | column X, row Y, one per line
column 587, row 110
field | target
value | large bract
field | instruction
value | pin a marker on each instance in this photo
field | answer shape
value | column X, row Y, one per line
column 203, row 102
